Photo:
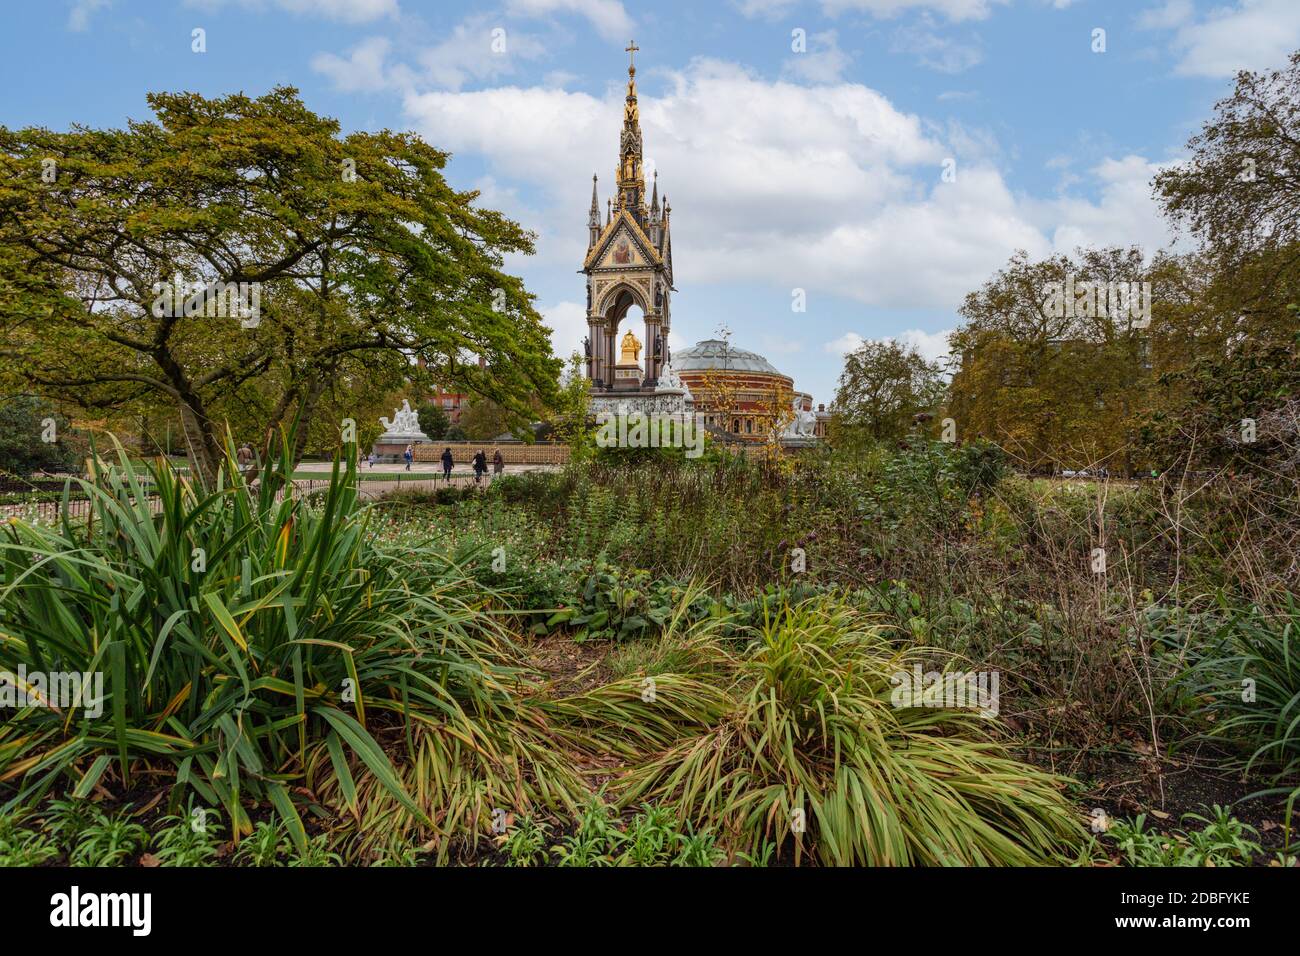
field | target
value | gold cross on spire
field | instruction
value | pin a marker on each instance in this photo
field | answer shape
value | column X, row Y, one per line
column 631, row 50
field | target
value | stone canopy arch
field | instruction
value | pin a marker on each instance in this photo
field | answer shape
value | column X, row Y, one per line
column 616, row 300
column 614, row 307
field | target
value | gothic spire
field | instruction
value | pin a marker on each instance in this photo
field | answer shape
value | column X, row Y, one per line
column 593, row 219
column 630, row 180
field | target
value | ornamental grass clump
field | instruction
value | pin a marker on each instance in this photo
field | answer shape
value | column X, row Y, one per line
column 812, row 755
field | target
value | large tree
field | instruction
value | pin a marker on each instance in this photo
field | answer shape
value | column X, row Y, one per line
column 433, row 420
column 35, row 437
column 484, row 419
column 364, row 257
column 1233, row 354
column 883, row 385
column 1240, row 193
column 1053, row 385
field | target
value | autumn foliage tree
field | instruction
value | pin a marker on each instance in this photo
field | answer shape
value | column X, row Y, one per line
column 1053, row 383
column 364, row 257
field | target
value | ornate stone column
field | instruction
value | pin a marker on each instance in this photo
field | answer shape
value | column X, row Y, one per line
column 651, row 337
column 596, row 331
column 611, row 346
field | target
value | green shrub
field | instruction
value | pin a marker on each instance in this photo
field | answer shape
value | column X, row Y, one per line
column 1222, row 840
column 109, row 841
column 651, row 836
column 316, row 853
column 23, row 449
column 616, row 604
column 596, row 840
column 525, row 843
column 600, row 838
column 267, row 844
column 22, row 846
column 1244, row 675
column 187, row 840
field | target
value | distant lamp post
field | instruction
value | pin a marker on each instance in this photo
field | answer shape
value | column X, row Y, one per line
column 724, row 333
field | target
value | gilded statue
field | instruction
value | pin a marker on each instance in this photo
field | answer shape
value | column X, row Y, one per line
column 631, row 349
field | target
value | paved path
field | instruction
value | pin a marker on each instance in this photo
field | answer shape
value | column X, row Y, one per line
column 419, row 468
column 367, row 490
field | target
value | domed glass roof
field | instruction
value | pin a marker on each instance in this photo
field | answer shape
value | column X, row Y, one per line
column 716, row 354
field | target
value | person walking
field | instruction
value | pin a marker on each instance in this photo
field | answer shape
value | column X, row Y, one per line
column 409, row 455
column 480, row 466
column 446, row 464
column 244, row 456
column 498, row 464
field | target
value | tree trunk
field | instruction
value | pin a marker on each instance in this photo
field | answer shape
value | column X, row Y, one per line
column 306, row 411
column 200, row 445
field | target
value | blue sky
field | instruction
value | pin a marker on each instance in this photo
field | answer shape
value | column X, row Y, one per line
column 818, row 170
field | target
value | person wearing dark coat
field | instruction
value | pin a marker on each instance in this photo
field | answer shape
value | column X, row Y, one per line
column 446, row 464
column 480, row 466
column 498, row 464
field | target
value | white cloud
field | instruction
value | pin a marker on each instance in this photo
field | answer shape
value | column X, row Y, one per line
column 1167, row 16
column 568, row 324
column 784, row 160
column 766, row 9
column 362, row 71
column 779, row 345
column 1126, row 214
column 823, row 62
column 931, row 49
column 933, row 346
column 477, row 48
column 1249, row 35
column 775, row 184
column 81, row 12
column 955, row 10
column 559, row 78
column 347, row 11
column 846, row 343
column 608, row 17
column 468, row 53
